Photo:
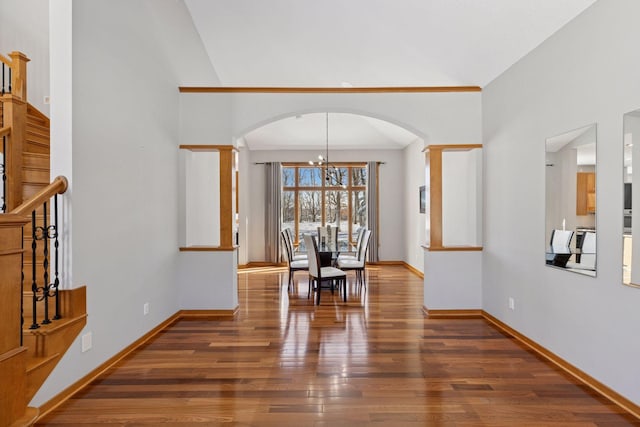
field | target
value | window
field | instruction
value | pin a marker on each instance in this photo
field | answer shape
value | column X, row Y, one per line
column 310, row 201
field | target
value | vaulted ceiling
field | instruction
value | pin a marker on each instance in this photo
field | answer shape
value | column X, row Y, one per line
column 359, row 43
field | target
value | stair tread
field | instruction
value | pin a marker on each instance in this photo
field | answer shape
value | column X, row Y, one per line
column 34, row 363
column 42, row 155
column 54, row 326
column 44, row 134
column 39, row 126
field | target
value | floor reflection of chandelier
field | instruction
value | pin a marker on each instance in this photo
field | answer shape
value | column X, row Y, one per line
column 331, row 173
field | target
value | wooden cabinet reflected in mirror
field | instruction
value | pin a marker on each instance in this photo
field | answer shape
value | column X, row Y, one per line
column 571, row 202
column 631, row 219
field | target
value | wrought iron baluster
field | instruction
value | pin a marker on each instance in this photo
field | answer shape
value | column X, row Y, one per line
column 45, row 265
column 56, row 281
column 34, row 285
column 3, row 78
column 21, row 284
column 9, row 79
column 3, row 169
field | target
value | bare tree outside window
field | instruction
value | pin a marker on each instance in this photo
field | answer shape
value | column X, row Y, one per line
column 313, row 196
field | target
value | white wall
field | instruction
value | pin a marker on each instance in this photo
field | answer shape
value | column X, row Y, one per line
column 24, row 26
column 244, row 193
column 437, row 118
column 461, row 198
column 206, row 281
column 414, row 221
column 202, row 190
column 452, row 280
column 586, row 73
column 117, row 141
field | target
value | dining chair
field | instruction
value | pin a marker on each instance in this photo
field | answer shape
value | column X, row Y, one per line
column 318, row 274
column 587, row 253
column 560, row 240
column 294, row 264
column 295, row 256
column 360, row 262
column 559, row 250
column 354, row 255
column 328, row 238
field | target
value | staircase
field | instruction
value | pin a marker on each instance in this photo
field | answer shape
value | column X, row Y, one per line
column 35, row 152
column 30, row 345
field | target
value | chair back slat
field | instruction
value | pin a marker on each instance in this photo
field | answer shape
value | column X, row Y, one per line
column 364, row 244
column 312, row 255
column 287, row 247
column 329, row 236
column 359, row 239
column 588, row 257
column 560, row 240
column 290, row 237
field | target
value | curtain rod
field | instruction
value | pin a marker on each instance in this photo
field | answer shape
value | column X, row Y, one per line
column 264, row 163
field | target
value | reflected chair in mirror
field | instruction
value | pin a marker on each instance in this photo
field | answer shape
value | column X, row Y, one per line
column 559, row 247
column 294, row 265
column 294, row 253
column 354, row 255
column 358, row 264
column 587, row 254
column 318, row 274
column 328, row 238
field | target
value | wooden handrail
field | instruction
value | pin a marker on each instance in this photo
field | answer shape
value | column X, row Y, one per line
column 5, row 131
column 58, row 186
column 6, row 60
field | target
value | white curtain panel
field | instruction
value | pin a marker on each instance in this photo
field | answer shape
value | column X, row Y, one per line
column 372, row 210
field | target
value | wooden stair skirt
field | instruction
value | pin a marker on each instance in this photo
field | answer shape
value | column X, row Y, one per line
column 24, row 369
column 47, row 344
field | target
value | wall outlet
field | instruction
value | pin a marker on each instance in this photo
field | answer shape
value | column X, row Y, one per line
column 512, row 303
column 86, row 342
column 145, row 308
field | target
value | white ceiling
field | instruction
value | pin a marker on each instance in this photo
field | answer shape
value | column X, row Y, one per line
column 345, row 132
column 585, row 148
column 362, row 43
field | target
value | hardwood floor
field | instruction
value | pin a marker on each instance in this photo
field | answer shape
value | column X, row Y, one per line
column 375, row 361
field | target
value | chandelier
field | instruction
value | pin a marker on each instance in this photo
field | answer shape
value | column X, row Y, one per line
column 332, row 175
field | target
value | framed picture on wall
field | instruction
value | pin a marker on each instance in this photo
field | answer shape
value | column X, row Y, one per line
column 423, row 199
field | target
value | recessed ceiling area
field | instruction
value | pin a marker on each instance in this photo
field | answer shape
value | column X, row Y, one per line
column 346, row 132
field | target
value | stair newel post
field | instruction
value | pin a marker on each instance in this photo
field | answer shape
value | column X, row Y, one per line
column 34, row 284
column 56, row 281
column 19, row 69
column 44, row 235
column 14, row 113
column 14, row 108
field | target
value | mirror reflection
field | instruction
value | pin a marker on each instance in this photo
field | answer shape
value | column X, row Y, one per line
column 631, row 266
column 570, row 238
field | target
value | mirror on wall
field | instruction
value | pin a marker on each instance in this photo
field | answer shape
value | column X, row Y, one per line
column 570, row 202
column 631, row 219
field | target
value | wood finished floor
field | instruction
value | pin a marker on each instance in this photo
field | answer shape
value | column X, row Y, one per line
column 375, row 361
